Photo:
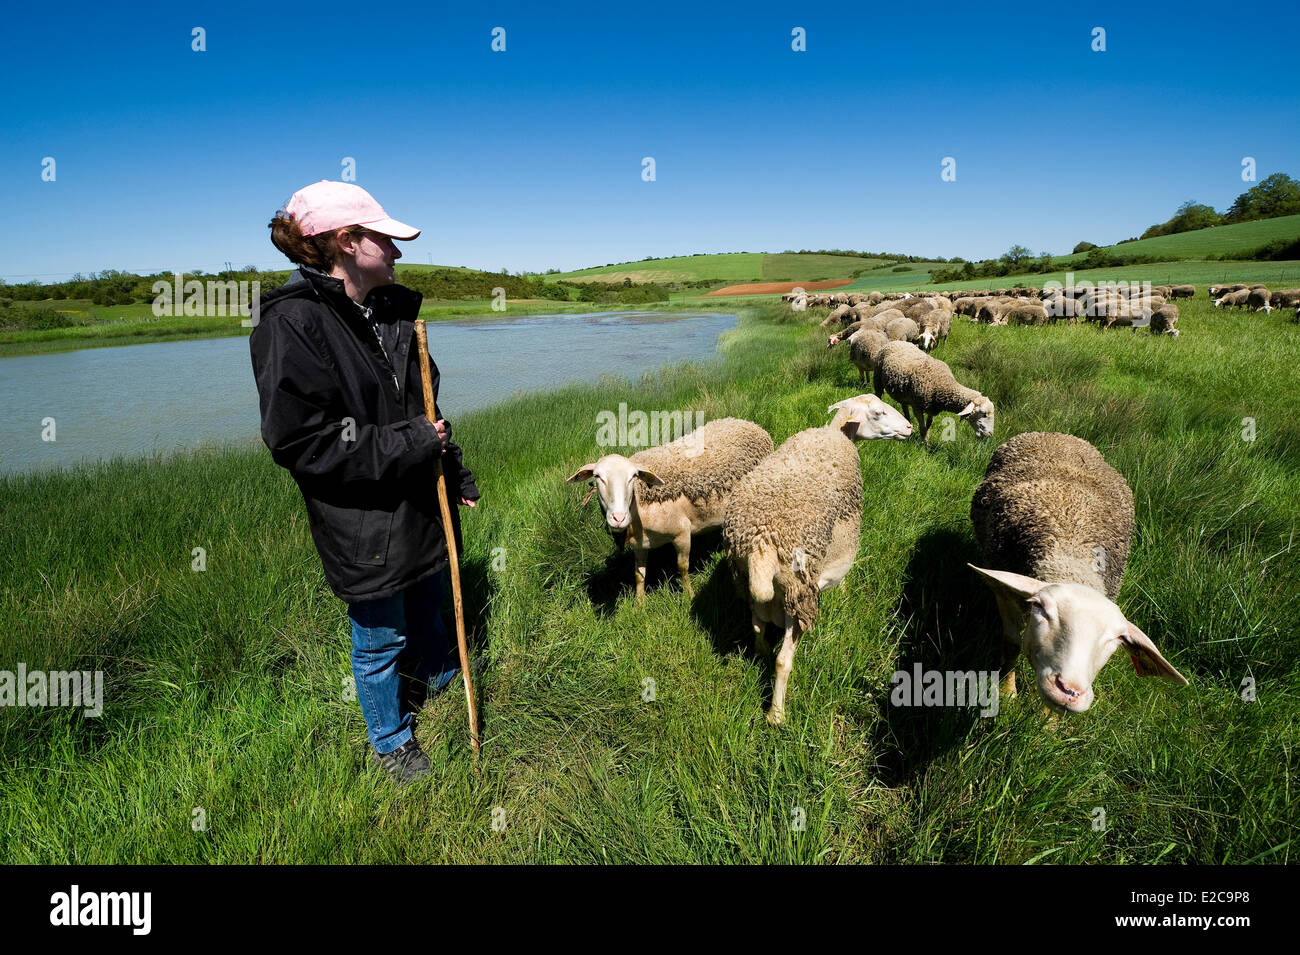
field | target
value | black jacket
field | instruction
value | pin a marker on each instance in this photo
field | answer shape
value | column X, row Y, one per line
column 369, row 484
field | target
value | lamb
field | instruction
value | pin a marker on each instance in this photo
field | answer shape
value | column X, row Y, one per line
column 926, row 385
column 864, row 349
column 1163, row 320
column 935, row 327
column 902, row 330
column 669, row 492
column 1054, row 523
column 793, row 525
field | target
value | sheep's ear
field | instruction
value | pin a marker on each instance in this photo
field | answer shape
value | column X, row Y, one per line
column 583, row 473
column 967, row 411
column 1146, row 658
column 650, row 478
column 1017, row 586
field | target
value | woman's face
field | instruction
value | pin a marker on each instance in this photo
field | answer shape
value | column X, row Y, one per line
column 374, row 255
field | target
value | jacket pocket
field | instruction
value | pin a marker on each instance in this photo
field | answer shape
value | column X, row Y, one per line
column 373, row 537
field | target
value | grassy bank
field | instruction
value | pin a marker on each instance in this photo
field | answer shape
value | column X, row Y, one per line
column 224, row 687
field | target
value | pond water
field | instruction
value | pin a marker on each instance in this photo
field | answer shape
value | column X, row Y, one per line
column 143, row 399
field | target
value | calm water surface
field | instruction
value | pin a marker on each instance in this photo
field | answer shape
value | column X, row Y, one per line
column 143, row 399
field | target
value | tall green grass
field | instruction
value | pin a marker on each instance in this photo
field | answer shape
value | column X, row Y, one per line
column 224, row 687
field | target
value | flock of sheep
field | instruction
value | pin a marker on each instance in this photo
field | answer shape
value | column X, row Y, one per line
column 1053, row 519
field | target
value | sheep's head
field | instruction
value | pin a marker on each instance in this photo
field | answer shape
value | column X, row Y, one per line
column 928, row 339
column 832, row 341
column 613, row 477
column 865, row 417
column 980, row 415
column 1069, row 632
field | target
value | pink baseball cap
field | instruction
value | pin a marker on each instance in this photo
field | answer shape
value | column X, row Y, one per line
column 325, row 206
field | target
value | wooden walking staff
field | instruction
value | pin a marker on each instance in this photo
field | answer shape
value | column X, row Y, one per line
column 431, row 412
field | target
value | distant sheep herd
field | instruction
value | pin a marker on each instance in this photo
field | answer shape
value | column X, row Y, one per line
column 1053, row 519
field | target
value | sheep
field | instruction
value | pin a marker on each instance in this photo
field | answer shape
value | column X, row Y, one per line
column 1054, row 523
column 874, row 298
column 669, row 492
column 1181, row 291
column 926, row 385
column 902, row 330
column 990, row 313
column 1020, row 314
column 836, row 317
column 935, row 327
column 1285, row 298
column 878, row 322
column 1235, row 299
column 1163, row 320
column 793, row 525
column 1218, row 291
column 1258, row 300
column 864, row 349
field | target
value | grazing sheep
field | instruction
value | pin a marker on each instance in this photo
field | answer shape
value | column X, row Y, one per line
column 793, row 525
column 1054, row 523
column 990, row 313
column 1181, row 291
column 1258, row 300
column 837, row 316
column 935, row 327
column 874, row 298
column 1163, row 320
column 864, row 349
column 926, row 385
column 1218, row 291
column 1022, row 314
column 669, row 492
column 1285, row 298
column 1235, row 299
column 902, row 330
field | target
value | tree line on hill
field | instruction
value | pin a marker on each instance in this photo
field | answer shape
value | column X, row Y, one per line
column 1278, row 195
column 112, row 287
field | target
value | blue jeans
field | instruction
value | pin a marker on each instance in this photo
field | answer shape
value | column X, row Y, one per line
column 399, row 648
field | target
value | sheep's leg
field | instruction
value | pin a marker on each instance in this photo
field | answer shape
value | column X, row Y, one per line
column 642, row 555
column 760, row 638
column 862, row 378
column 924, row 420
column 784, row 661
column 682, row 543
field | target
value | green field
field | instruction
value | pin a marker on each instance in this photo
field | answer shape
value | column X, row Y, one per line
column 738, row 267
column 223, row 688
column 1242, row 237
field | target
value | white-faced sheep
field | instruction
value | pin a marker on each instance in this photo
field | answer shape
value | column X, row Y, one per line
column 669, row 492
column 1234, row 299
column 935, row 327
column 794, row 522
column 1054, row 523
column 926, row 386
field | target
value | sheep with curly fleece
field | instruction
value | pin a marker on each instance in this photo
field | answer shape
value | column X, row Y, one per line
column 934, row 326
column 864, row 349
column 926, row 385
column 793, row 525
column 1163, row 320
column 1055, row 522
column 902, row 330
column 669, row 492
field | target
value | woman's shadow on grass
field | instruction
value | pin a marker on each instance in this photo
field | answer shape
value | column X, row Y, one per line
column 950, row 626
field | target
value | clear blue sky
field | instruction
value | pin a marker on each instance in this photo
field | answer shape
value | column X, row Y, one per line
column 168, row 159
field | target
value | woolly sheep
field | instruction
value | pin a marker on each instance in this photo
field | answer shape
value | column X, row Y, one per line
column 1163, row 320
column 837, row 316
column 793, row 525
column 669, row 492
column 934, row 327
column 1054, row 523
column 1182, row 291
column 902, row 330
column 1259, row 300
column 1235, row 299
column 864, row 349
column 926, row 385
column 1285, row 298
